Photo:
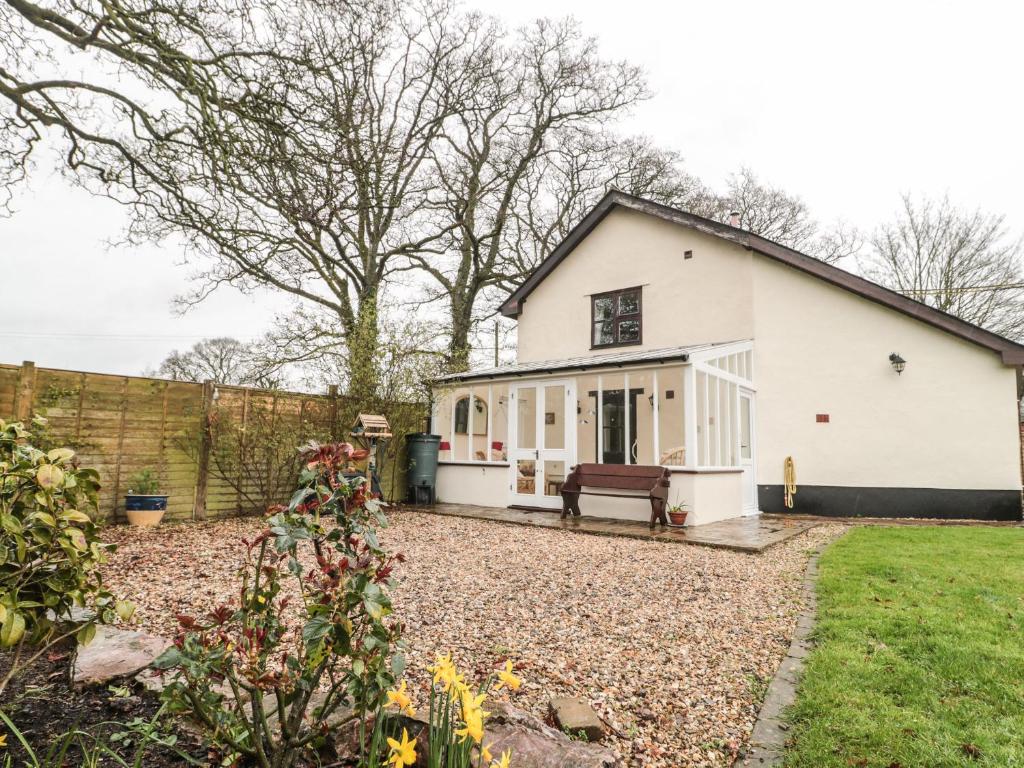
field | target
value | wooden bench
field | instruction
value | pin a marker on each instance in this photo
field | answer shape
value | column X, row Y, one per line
column 650, row 481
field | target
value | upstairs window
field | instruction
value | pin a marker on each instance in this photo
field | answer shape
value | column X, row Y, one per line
column 616, row 318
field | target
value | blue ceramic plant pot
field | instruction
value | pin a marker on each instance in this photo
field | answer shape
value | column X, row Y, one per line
column 138, row 502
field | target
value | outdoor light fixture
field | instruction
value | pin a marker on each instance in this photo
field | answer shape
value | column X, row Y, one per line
column 898, row 363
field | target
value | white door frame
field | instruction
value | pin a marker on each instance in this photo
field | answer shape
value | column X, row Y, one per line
column 749, row 466
column 540, row 453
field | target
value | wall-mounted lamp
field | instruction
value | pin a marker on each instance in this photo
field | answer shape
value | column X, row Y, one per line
column 898, row 363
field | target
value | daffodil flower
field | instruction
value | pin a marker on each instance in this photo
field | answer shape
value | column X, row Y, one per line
column 3, row 740
column 403, row 752
column 474, row 726
column 400, row 699
column 507, row 680
column 445, row 673
column 504, row 762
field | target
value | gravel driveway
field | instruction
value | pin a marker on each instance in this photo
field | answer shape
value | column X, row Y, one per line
column 672, row 644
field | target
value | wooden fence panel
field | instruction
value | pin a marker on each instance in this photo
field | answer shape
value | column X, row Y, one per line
column 121, row 425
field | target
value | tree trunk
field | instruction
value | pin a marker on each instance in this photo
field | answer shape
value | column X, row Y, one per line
column 459, row 347
column 363, row 341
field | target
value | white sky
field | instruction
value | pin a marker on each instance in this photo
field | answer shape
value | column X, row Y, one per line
column 845, row 104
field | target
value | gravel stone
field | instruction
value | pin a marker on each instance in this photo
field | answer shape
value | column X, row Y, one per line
column 672, row 645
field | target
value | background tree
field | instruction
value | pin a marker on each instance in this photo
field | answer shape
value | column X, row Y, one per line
column 528, row 97
column 291, row 148
column 963, row 262
column 225, row 361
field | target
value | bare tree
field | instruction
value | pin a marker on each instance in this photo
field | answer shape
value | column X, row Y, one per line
column 777, row 215
column 146, row 73
column 527, row 99
column 292, row 153
column 962, row 262
column 560, row 188
column 225, row 361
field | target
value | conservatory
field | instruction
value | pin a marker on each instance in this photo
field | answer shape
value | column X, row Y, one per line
column 510, row 435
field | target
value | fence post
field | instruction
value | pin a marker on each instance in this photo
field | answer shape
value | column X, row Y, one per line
column 332, row 395
column 242, row 445
column 25, row 392
column 120, row 447
column 203, row 461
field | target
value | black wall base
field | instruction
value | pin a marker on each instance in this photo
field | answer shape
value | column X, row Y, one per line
column 940, row 503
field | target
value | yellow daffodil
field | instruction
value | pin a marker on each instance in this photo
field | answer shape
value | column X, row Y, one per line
column 400, row 699
column 3, row 740
column 403, row 752
column 474, row 727
column 504, row 762
column 506, row 679
column 471, row 702
column 445, row 673
column 485, row 753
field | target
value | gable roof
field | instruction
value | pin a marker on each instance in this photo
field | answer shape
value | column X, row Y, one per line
column 1011, row 352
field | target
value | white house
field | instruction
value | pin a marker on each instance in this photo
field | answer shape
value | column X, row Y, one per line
column 652, row 336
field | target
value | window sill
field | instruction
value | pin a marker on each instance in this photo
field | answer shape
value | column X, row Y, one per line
column 594, row 347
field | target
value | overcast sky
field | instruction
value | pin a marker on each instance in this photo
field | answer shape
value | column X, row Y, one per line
column 847, row 105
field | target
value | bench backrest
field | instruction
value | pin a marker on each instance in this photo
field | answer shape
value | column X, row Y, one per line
column 626, row 477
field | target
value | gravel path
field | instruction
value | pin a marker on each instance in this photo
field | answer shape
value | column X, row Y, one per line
column 674, row 645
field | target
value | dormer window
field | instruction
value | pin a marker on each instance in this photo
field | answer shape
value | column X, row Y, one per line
column 616, row 318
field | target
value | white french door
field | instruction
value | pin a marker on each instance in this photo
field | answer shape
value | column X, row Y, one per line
column 542, row 441
column 747, row 451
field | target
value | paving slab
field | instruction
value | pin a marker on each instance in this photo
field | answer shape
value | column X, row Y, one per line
column 755, row 533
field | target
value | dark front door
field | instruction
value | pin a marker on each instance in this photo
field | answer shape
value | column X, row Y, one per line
column 613, row 419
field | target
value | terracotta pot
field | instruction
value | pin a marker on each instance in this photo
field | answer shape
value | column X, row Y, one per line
column 145, row 518
column 678, row 518
column 146, row 510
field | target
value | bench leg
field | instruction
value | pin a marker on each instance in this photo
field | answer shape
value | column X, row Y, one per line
column 570, row 503
column 658, row 512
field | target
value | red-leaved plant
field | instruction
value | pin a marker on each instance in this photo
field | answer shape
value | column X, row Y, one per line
column 268, row 693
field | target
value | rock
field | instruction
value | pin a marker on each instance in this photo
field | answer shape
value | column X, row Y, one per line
column 575, row 716
column 537, row 745
column 114, row 654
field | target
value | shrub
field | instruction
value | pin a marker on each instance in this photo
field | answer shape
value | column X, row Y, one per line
column 49, row 549
column 249, row 680
column 144, row 482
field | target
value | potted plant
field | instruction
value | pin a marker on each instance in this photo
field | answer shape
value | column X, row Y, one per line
column 144, row 504
column 677, row 514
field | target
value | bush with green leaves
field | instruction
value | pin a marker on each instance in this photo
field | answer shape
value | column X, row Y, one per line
column 144, row 483
column 270, row 694
column 50, row 551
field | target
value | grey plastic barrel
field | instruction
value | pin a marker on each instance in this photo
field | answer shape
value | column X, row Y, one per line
column 421, row 478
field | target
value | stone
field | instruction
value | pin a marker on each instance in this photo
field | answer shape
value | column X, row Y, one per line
column 537, row 745
column 575, row 716
column 114, row 654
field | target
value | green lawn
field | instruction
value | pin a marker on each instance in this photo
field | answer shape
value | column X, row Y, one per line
column 920, row 651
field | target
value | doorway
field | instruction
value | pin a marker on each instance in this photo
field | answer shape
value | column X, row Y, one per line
column 542, row 447
column 747, row 451
column 613, row 420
